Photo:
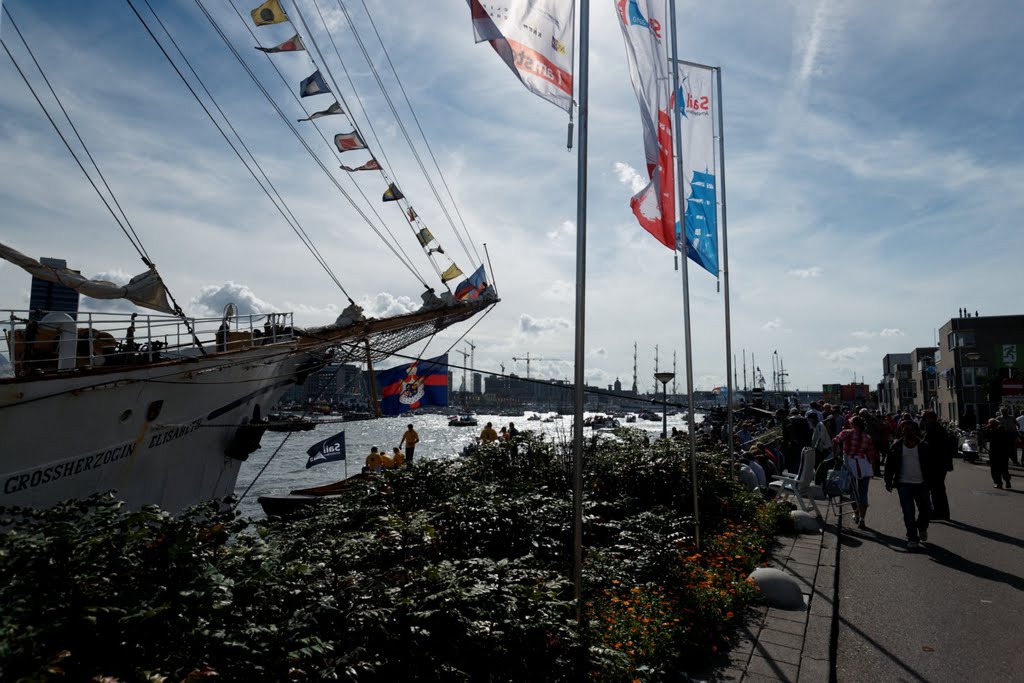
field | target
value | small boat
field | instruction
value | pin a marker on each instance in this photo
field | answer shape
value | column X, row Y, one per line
column 533, row 417
column 631, row 418
column 298, row 498
column 648, row 415
column 464, row 420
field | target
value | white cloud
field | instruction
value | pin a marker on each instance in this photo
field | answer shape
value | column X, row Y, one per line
column 564, row 229
column 530, row 326
column 846, row 354
column 212, row 299
column 773, row 324
column 385, row 305
column 629, row 177
column 598, row 352
column 868, row 334
column 804, row 273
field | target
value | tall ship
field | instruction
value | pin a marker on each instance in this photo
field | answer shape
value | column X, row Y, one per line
column 112, row 385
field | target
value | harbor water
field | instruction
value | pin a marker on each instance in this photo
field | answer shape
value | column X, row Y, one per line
column 282, row 456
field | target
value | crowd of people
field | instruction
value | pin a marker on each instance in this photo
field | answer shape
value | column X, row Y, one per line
column 912, row 453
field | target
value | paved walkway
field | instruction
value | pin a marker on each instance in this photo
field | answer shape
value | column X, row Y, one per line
column 952, row 610
column 784, row 645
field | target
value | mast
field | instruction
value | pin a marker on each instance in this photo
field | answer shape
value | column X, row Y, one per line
column 581, row 280
column 674, row 392
column 725, row 255
column 635, row 388
column 686, row 285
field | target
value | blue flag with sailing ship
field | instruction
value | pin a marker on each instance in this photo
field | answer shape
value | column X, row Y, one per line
column 701, row 219
column 328, row 450
column 408, row 387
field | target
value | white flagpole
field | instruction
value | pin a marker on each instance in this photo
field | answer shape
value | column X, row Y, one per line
column 681, row 197
column 725, row 258
column 581, row 280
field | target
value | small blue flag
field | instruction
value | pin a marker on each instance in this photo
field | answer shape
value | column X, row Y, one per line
column 328, row 450
column 313, row 85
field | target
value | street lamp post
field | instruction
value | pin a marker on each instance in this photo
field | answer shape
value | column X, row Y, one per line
column 664, row 378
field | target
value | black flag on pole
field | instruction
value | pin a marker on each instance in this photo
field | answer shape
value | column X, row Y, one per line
column 328, row 450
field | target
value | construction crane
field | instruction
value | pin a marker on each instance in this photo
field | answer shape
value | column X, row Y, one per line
column 528, row 360
column 472, row 358
column 465, row 359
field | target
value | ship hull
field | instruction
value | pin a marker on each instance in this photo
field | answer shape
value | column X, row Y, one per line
column 155, row 434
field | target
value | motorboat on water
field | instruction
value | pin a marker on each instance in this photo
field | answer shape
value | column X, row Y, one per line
column 463, row 420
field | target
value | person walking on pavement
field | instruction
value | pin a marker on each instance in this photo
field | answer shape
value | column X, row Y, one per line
column 943, row 448
column 1000, row 442
column 909, row 466
column 1007, row 422
column 409, row 440
column 855, row 442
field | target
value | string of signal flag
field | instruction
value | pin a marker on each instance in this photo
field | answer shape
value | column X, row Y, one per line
column 271, row 12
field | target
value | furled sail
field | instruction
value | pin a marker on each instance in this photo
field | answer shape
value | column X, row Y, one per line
column 146, row 289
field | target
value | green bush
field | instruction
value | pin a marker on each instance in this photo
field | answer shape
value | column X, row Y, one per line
column 446, row 571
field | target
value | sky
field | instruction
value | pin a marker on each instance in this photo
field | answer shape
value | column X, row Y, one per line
column 874, row 177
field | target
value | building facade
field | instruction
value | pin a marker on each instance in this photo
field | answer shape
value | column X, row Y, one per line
column 975, row 357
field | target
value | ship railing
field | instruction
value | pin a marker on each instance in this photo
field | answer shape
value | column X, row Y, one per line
column 42, row 341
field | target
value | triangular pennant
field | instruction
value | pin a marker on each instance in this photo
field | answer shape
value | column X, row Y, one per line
column 333, row 109
column 349, row 141
column 411, row 214
column 424, row 237
column 392, row 194
column 293, row 44
column 313, row 85
column 370, row 165
column 269, row 12
column 450, row 274
column 435, row 250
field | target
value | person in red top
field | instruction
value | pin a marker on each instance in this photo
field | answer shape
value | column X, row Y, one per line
column 854, row 440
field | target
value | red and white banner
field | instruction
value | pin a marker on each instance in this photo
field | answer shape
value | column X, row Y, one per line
column 643, row 24
column 534, row 38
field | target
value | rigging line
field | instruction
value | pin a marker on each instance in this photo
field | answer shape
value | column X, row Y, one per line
column 72, row 151
column 141, row 248
column 388, row 174
column 349, row 114
column 298, row 136
column 235, row 132
column 330, row 144
column 405, row 132
column 226, row 138
column 422, row 134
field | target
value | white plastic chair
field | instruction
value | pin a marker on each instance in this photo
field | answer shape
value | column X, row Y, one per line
column 799, row 487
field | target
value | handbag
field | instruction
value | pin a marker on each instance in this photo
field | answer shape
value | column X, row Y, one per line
column 860, row 467
column 837, row 482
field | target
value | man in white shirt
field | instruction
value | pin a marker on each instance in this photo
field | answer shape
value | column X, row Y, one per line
column 909, row 467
